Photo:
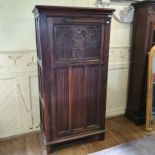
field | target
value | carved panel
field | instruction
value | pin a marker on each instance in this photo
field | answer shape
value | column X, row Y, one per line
column 75, row 41
column 151, row 11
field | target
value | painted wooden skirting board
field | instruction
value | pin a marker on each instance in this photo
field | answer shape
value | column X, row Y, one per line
column 115, row 112
column 19, row 105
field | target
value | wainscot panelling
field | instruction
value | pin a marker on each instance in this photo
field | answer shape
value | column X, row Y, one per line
column 19, row 105
column 117, row 80
column 117, row 91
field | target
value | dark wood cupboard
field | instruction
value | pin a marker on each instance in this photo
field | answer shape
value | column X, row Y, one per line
column 142, row 41
column 72, row 49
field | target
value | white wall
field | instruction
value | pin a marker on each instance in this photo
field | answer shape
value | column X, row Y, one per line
column 19, row 109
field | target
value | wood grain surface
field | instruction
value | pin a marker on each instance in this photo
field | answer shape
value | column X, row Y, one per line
column 119, row 130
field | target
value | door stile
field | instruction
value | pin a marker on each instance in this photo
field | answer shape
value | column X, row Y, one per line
column 70, row 96
column 85, row 94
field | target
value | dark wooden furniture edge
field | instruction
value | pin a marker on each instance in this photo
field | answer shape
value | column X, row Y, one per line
column 76, row 137
column 137, row 116
column 138, row 120
column 73, row 9
column 70, row 138
column 149, row 2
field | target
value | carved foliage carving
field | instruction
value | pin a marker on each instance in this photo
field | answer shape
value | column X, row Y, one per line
column 151, row 11
column 76, row 41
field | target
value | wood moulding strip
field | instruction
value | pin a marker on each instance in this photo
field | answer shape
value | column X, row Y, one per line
column 75, row 137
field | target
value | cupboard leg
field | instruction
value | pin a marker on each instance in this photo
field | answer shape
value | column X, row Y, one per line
column 101, row 137
column 50, row 148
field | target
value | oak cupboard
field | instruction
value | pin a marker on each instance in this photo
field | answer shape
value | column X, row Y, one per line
column 142, row 41
column 72, row 49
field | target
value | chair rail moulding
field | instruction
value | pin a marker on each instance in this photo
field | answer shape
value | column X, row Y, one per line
column 26, row 60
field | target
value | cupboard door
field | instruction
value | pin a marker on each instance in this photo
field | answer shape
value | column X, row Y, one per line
column 78, row 104
column 76, row 51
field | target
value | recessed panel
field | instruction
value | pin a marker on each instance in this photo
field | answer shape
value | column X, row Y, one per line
column 92, row 94
column 76, row 42
column 62, row 106
column 78, row 98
